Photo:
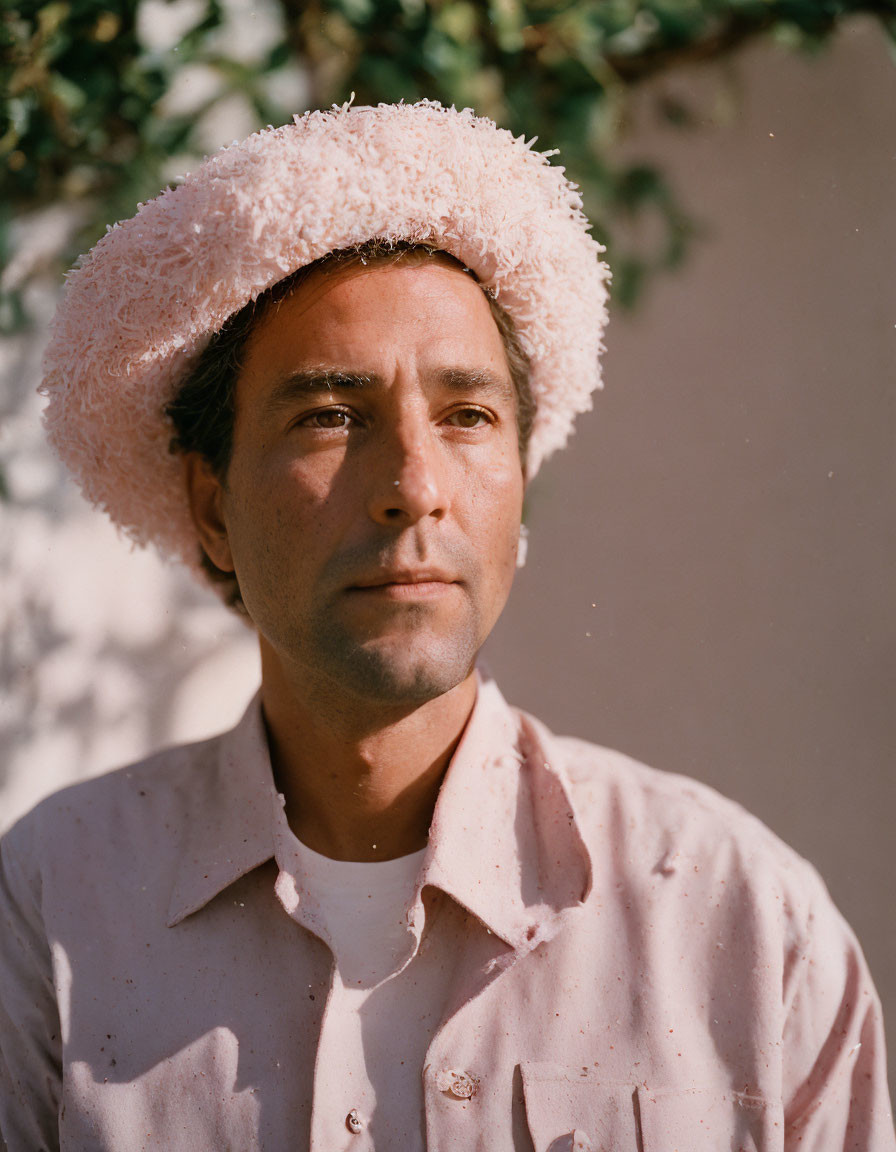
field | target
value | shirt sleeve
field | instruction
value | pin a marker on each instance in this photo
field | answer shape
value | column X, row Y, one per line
column 30, row 1040
column 835, row 1071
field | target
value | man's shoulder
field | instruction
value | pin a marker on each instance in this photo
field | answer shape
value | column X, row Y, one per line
column 131, row 802
column 665, row 822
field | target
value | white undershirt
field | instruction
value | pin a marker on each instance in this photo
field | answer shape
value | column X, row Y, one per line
column 364, row 907
column 379, row 1021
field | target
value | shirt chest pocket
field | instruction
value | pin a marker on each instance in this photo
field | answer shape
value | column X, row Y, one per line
column 570, row 1110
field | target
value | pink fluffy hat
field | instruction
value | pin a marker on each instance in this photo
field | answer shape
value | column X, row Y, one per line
column 141, row 306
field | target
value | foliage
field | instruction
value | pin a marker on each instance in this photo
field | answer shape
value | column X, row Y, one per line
column 557, row 69
column 89, row 117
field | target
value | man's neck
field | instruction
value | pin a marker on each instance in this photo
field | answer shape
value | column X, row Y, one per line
column 360, row 782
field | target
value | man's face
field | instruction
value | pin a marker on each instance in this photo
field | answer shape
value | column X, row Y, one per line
column 373, row 500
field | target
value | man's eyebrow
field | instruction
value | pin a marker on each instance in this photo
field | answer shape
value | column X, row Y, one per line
column 310, row 381
column 479, row 380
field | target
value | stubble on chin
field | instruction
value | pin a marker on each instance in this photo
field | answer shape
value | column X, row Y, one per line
column 407, row 669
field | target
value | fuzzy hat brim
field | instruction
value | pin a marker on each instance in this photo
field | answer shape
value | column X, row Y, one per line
column 142, row 305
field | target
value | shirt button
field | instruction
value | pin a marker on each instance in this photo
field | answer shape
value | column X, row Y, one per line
column 353, row 1121
column 462, row 1086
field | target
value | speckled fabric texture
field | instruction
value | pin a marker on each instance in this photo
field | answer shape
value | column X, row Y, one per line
column 144, row 302
column 616, row 958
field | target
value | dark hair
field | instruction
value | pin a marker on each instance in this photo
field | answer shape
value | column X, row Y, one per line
column 203, row 410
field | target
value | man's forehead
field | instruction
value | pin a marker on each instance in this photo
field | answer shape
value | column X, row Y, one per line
column 363, row 320
column 339, row 282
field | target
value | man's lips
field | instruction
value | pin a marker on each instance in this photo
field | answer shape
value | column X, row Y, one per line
column 405, row 584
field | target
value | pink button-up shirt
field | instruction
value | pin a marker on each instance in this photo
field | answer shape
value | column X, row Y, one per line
column 627, row 962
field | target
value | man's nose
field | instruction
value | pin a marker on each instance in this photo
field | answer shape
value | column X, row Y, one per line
column 411, row 479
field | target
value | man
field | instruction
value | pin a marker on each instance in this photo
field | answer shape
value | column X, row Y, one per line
column 387, row 910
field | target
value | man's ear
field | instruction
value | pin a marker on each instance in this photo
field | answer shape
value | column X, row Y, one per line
column 206, row 496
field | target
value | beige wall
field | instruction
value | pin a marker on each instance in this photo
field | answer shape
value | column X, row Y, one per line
column 710, row 579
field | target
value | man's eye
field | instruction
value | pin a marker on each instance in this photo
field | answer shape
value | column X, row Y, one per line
column 327, row 418
column 469, row 418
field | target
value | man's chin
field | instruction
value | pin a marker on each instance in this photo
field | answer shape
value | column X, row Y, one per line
column 399, row 671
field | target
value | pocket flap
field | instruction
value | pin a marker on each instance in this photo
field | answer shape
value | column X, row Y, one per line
column 572, row 1109
column 681, row 1120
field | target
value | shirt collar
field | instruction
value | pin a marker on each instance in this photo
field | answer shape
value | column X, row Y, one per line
column 229, row 830
column 504, row 841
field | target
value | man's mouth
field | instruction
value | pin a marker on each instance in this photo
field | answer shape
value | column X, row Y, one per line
column 405, row 584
